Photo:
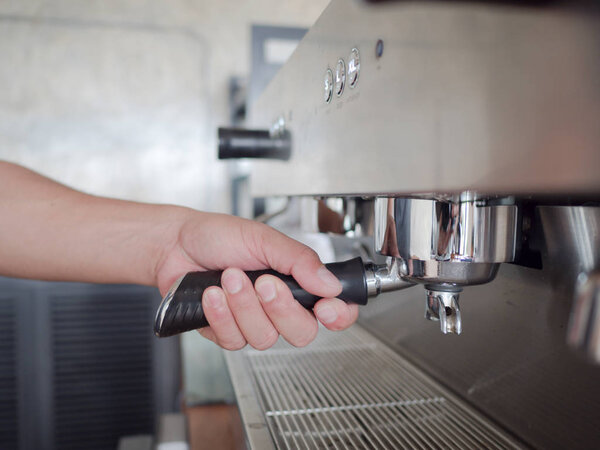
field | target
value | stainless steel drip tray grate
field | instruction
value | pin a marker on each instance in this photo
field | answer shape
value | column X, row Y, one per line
column 348, row 390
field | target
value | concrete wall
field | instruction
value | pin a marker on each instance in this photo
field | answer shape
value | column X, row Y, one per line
column 123, row 97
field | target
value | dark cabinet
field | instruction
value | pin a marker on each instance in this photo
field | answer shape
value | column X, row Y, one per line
column 80, row 366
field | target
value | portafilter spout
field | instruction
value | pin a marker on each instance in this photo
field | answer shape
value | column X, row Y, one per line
column 446, row 245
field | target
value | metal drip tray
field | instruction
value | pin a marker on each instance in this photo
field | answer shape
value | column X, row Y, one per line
column 349, row 391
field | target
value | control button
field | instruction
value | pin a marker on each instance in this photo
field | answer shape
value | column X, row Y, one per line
column 340, row 77
column 328, row 86
column 379, row 48
column 353, row 67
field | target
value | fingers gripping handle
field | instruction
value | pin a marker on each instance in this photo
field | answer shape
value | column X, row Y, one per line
column 181, row 309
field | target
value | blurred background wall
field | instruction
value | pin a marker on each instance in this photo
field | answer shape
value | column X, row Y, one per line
column 123, row 97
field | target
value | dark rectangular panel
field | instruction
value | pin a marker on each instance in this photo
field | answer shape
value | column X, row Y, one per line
column 102, row 366
column 8, row 374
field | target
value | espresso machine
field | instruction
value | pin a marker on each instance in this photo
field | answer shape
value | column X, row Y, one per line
column 453, row 147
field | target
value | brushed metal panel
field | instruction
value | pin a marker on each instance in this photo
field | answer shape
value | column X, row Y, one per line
column 511, row 361
column 494, row 98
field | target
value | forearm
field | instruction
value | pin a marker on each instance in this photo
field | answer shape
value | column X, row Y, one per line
column 51, row 232
column 48, row 231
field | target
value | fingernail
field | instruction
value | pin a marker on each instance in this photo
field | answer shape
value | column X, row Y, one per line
column 214, row 297
column 327, row 314
column 266, row 290
column 232, row 281
column 328, row 278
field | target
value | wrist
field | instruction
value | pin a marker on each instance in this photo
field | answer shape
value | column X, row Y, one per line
column 171, row 221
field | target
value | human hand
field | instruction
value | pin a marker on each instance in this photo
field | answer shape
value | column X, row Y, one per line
column 240, row 313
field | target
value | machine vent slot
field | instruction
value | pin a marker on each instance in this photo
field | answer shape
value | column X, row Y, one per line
column 349, row 391
column 102, row 365
column 8, row 375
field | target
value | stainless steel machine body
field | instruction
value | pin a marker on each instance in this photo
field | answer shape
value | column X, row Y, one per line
column 350, row 391
column 463, row 139
column 480, row 96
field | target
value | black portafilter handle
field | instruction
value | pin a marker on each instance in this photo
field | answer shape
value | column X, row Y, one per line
column 181, row 308
column 244, row 143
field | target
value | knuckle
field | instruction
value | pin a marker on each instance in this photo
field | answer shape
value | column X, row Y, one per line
column 349, row 317
column 233, row 345
column 267, row 342
column 307, row 337
column 307, row 254
column 205, row 333
column 243, row 301
column 353, row 314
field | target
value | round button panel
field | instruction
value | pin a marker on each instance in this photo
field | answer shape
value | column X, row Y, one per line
column 328, row 86
column 353, row 67
column 340, row 77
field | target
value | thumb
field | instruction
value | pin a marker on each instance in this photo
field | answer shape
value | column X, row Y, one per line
column 291, row 257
